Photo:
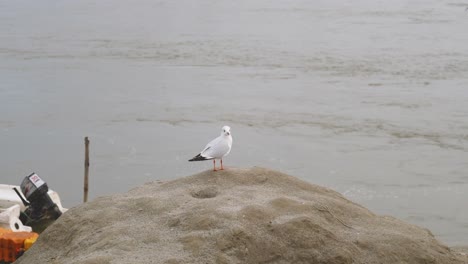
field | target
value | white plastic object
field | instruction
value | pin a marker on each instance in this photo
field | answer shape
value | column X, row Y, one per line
column 8, row 197
column 9, row 218
column 54, row 196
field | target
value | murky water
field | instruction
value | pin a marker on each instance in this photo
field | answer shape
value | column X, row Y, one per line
column 366, row 97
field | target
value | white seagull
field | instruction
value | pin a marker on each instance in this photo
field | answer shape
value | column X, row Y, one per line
column 217, row 148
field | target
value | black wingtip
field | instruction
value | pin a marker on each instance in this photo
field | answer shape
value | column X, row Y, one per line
column 198, row 158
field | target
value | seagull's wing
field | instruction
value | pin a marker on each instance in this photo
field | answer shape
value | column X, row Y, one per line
column 213, row 148
column 216, row 149
column 209, row 152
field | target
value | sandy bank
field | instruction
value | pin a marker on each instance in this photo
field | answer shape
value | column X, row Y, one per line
column 234, row 216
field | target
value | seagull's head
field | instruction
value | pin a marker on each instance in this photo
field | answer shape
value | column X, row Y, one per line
column 226, row 131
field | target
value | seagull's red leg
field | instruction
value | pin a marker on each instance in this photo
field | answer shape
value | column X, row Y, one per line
column 214, row 165
column 222, row 164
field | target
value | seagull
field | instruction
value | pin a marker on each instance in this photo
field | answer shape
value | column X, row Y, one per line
column 217, row 148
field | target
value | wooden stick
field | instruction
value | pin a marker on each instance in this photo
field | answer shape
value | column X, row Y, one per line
column 86, row 170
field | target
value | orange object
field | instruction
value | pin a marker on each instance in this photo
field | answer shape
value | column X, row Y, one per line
column 2, row 252
column 12, row 244
column 2, row 231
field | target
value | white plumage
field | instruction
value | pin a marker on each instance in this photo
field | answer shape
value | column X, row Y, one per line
column 217, row 148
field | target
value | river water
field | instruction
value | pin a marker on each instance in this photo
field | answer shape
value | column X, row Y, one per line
column 368, row 98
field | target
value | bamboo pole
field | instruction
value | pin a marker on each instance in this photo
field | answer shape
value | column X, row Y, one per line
column 86, row 170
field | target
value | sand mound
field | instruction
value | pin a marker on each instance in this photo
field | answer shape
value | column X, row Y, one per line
column 233, row 216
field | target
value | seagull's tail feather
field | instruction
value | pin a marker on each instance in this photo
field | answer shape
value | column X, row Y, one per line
column 199, row 157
